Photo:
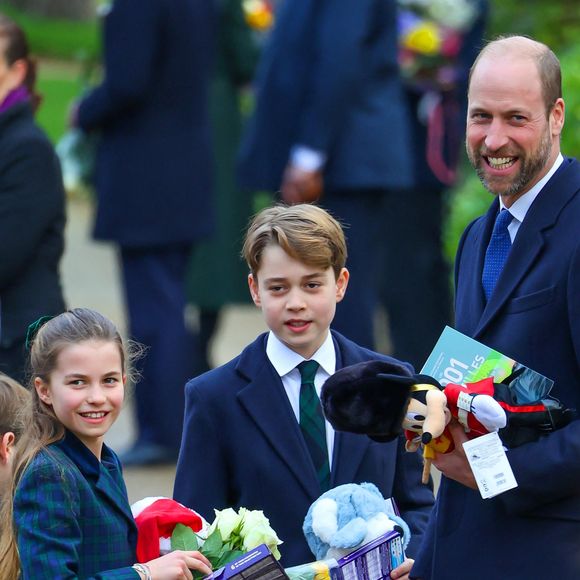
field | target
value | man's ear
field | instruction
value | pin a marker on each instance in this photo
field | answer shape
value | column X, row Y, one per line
column 6, row 446
column 557, row 117
column 42, row 390
column 254, row 289
column 341, row 284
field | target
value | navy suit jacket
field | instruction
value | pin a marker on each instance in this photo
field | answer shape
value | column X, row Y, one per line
column 533, row 316
column 329, row 80
column 153, row 171
column 242, row 446
column 72, row 516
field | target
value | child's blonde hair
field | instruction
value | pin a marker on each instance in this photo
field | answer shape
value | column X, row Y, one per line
column 305, row 232
column 14, row 404
column 16, row 418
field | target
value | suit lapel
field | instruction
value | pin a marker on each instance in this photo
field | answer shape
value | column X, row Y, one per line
column 349, row 449
column 114, row 492
column 470, row 307
column 266, row 402
column 530, row 239
column 108, row 482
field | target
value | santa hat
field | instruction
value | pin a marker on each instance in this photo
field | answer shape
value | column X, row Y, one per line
column 156, row 517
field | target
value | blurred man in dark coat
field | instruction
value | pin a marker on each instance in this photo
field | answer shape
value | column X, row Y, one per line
column 331, row 122
column 154, row 189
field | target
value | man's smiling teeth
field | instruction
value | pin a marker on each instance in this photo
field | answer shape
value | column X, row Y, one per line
column 501, row 162
column 98, row 415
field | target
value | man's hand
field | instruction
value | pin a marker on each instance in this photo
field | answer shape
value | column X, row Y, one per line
column 402, row 572
column 454, row 465
column 300, row 186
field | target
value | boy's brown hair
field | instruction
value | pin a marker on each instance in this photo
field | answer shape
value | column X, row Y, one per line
column 305, row 232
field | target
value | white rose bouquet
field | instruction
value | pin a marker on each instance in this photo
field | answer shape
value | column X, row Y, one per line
column 230, row 535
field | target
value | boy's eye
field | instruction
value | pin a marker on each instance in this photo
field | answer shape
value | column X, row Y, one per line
column 313, row 285
column 276, row 288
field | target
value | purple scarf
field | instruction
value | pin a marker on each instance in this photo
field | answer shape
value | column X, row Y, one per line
column 18, row 95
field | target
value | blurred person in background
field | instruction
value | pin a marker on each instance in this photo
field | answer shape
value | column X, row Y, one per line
column 217, row 274
column 32, row 205
column 331, row 125
column 154, row 191
column 416, row 284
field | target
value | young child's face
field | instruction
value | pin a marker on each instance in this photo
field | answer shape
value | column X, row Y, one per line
column 86, row 390
column 298, row 300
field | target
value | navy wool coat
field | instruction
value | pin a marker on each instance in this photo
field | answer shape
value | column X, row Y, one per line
column 242, row 447
column 533, row 316
column 153, row 172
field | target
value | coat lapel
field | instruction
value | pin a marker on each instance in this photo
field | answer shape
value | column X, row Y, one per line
column 113, row 489
column 529, row 241
column 349, row 449
column 266, row 402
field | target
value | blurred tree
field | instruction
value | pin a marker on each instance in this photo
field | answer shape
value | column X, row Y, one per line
column 64, row 9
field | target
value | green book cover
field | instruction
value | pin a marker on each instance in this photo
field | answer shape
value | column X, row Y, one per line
column 457, row 358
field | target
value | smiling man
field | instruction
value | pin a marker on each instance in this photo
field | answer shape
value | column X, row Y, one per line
column 518, row 291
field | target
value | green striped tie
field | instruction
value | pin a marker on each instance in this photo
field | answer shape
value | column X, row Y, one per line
column 312, row 422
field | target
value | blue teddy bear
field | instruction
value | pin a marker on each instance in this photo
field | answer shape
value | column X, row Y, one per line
column 347, row 517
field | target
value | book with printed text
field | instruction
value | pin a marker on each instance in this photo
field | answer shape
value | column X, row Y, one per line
column 459, row 359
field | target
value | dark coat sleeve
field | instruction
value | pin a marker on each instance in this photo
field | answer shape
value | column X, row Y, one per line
column 131, row 44
column 335, row 73
column 31, row 197
column 201, row 477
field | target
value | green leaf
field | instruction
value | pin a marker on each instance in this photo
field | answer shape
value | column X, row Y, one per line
column 184, row 538
column 227, row 557
column 213, row 545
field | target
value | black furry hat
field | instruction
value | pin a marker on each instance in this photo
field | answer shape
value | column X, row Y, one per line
column 368, row 398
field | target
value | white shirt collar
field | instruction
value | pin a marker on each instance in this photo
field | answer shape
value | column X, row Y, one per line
column 520, row 207
column 285, row 360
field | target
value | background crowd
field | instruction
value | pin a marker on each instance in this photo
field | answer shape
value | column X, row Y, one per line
column 205, row 113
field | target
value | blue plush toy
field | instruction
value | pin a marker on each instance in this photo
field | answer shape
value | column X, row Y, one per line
column 347, row 517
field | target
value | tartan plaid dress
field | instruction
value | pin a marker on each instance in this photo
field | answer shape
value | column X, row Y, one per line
column 72, row 515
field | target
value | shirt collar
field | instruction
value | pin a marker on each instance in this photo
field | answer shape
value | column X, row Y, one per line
column 285, row 360
column 84, row 458
column 521, row 206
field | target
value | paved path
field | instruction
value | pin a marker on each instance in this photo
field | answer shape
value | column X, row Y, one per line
column 91, row 278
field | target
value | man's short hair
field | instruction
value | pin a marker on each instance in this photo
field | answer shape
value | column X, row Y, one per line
column 305, row 232
column 546, row 62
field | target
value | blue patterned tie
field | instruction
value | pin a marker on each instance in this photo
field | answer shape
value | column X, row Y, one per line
column 497, row 252
column 312, row 422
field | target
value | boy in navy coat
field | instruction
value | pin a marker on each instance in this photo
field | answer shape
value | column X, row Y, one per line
column 242, row 441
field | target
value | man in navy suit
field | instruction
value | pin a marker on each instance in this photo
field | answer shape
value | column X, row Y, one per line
column 242, row 443
column 331, row 121
column 515, row 118
column 153, row 180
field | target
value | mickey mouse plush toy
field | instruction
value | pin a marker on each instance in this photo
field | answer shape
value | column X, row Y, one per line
column 376, row 399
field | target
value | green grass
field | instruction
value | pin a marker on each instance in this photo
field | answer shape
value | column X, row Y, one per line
column 57, row 38
column 60, row 84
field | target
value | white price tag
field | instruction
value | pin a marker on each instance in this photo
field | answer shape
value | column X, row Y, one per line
column 490, row 465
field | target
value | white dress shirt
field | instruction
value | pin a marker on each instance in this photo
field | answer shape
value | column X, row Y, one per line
column 285, row 362
column 520, row 207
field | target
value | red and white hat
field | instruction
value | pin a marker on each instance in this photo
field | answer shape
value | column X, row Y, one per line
column 156, row 517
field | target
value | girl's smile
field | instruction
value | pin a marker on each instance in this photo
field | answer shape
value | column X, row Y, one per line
column 86, row 390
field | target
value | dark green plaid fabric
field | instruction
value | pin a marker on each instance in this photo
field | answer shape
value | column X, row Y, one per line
column 72, row 516
column 312, row 422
